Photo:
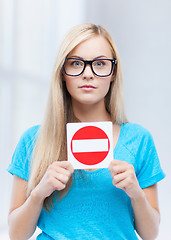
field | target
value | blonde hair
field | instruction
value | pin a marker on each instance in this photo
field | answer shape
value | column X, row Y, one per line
column 51, row 143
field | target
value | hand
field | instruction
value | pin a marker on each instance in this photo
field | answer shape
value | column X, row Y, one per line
column 123, row 175
column 55, row 178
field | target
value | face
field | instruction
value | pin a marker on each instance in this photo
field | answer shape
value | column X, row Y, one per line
column 88, row 88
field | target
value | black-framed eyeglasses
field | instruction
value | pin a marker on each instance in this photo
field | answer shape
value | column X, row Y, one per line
column 101, row 67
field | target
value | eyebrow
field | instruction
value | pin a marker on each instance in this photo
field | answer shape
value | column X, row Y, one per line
column 101, row 56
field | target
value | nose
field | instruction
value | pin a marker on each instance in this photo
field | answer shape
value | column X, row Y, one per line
column 88, row 74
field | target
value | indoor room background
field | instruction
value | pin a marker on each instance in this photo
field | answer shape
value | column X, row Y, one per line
column 30, row 33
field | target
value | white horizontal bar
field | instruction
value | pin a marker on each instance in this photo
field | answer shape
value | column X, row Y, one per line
column 90, row 145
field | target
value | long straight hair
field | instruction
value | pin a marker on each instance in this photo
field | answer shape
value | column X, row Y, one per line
column 51, row 143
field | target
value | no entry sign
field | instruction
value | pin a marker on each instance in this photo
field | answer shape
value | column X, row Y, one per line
column 90, row 145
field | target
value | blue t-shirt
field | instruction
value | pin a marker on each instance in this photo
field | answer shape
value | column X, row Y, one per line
column 93, row 208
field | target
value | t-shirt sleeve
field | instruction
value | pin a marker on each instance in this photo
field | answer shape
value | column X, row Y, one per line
column 149, row 168
column 21, row 160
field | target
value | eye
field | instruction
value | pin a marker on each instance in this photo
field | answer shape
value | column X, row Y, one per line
column 99, row 63
column 76, row 63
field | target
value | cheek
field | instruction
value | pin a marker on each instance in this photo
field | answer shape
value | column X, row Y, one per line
column 69, row 83
column 106, row 85
column 69, row 87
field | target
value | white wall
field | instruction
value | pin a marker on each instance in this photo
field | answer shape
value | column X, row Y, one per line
column 30, row 32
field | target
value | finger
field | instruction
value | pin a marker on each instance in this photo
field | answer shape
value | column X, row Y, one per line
column 62, row 171
column 55, row 168
column 58, row 185
column 58, row 173
column 65, row 164
column 119, row 177
column 122, row 184
column 125, row 180
column 115, row 162
column 62, row 178
column 118, row 162
column 118, row 169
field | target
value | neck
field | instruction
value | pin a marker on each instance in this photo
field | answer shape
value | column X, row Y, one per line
column 91, row 113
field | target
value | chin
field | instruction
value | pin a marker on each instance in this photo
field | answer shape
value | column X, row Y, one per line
column 88, row 102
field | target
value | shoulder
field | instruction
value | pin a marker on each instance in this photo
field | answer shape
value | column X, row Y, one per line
column 135, row 137
column 27, row 140
column 31, row 132
column 30, row 135
column 135, row 132
column 135, row 129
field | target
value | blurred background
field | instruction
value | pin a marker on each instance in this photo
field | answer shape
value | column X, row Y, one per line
column 30, row 33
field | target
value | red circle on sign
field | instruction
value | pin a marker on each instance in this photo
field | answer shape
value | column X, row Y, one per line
column 92, row 157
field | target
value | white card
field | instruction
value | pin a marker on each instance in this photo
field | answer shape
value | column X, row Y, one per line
column 90, row 144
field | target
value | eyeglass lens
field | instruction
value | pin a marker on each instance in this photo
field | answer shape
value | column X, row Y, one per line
column 75, row 67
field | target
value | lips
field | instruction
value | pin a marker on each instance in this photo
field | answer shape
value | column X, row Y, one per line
column 87, row 87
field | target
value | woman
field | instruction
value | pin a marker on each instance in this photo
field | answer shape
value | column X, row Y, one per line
column 109, row 203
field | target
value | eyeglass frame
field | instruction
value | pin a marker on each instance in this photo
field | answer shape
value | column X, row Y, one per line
column 90, row 62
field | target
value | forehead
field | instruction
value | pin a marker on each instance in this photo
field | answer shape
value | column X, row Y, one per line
column 92, row 48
